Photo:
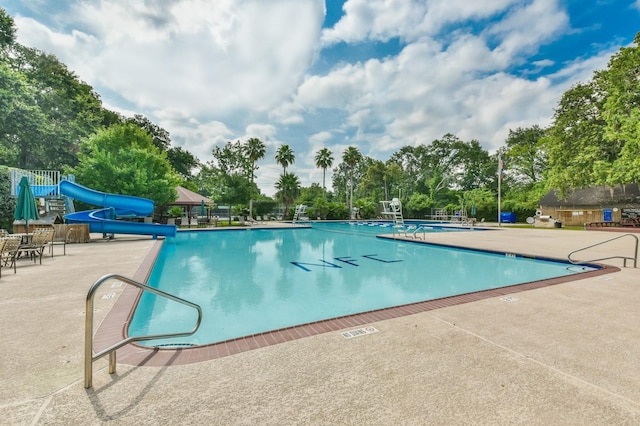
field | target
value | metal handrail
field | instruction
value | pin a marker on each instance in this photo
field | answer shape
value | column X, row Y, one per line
column 89, row 357
column 625, row 258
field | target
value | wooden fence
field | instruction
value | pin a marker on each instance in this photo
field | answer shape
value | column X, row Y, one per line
column 80, row 232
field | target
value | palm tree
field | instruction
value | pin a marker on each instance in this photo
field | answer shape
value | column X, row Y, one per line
column 288, row 187
column 285, row 157
column 255, row 150
column 324, row 160
column 351, row 157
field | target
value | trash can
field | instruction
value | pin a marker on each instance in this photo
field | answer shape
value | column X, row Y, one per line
column 557, row 224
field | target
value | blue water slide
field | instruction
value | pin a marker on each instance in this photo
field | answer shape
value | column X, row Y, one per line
column 124, row 205
column 105, row 220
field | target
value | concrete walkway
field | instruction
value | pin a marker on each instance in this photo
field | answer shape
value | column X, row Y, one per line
column 566, row 354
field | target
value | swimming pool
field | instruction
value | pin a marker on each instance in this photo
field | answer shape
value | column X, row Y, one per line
column 257, row 280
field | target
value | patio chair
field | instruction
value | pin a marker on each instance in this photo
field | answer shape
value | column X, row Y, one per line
column 10, row 250
column 41, row 239
column 64, row 239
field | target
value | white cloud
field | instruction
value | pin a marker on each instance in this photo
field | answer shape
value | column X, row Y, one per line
column 408, row 19
column 210, row 72
column 198, row 138
column 374, row 19
column 200, row 56
column 317, row 140
column 264, row 132
column 525, row 29
column 287, row 113
column 581, row 69
column 431, row 88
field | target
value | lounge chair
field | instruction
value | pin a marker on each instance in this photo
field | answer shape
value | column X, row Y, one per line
column 10, row 251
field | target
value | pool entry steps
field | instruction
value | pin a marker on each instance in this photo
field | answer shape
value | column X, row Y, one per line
column 89, row 357
column 624, row 258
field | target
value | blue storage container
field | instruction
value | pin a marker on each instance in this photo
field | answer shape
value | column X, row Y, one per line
column 507, row 217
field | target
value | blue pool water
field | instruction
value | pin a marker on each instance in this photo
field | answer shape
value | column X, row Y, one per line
column 252, row 281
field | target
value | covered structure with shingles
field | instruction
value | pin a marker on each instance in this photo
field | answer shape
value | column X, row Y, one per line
column 188, row 199
column 593, row 204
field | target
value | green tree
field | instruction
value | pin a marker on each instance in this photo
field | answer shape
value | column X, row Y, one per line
column 443, row 158
column 525, row 154
column 419, row 205
column 182, row 161
column 264, row 205
column 621, row 112
column 285, row 157
column 431, row 169
column 288, row 187
column 471, row 170
column 351, row 157
column 366, row 208
column 7, row 31
column 413, row 162
column 321, row 208
column 226, row 178
column 575, row 144
column 7, row 203
column 23, row 125
column 308, row 195
column 254, row 150
column 595, row 134
column 324, row 160
column 233, row 189
column 161, row 137
column 231, row 159
column 122, row 159
column 380, row 180
column 72, row 108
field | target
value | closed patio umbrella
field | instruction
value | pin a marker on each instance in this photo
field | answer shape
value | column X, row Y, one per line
column 26, row 208
column 203, row 210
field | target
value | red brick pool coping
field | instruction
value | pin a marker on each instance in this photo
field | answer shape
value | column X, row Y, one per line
column 114, row 327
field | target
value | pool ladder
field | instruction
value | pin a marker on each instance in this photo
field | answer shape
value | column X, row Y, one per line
column 625, row 258
column 89, row 357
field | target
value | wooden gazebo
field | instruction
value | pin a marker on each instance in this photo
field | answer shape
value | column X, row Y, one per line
column 189, row 199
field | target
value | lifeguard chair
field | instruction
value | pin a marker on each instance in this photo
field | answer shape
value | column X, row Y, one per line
column 300, row 214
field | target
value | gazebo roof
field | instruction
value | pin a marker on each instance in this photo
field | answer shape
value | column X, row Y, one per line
column 190, row 198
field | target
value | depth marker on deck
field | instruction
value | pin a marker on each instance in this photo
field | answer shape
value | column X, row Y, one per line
column 359, row 332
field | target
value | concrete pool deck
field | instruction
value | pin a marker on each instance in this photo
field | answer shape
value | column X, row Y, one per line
column 563, row 354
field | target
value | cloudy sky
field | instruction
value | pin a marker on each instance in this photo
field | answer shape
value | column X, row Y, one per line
column 377, row 74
